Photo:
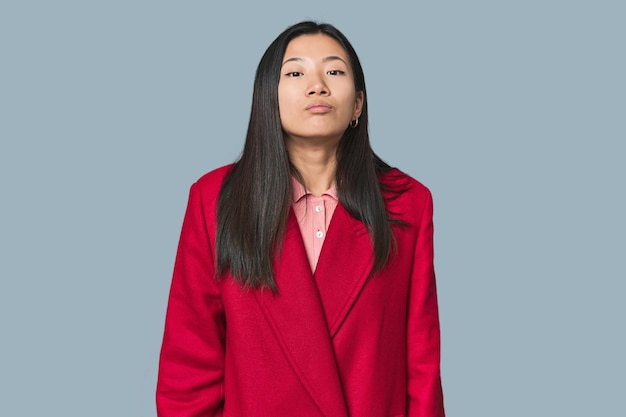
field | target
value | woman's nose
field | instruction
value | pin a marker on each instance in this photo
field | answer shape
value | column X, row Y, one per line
column 318, row 87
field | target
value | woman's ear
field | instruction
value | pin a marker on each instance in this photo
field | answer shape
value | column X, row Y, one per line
column 358, row 104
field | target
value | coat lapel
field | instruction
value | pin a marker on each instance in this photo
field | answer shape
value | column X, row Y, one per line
column 298, row 320
column 343, row 267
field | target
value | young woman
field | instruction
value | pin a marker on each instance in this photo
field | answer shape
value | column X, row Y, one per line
column 304, row 282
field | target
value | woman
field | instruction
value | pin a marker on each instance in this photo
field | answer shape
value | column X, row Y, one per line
column 304, row 282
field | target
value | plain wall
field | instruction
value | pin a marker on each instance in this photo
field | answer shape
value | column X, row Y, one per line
column 513, row 113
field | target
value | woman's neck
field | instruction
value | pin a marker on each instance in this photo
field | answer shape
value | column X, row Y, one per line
column 317, row 165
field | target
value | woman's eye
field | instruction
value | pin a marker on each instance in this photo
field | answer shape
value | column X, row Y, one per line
column 335, row 72
column 294, row 74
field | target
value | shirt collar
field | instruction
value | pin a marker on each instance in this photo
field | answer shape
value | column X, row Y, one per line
column 298, row 191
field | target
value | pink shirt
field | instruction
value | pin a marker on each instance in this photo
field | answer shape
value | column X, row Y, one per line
column 313, row 214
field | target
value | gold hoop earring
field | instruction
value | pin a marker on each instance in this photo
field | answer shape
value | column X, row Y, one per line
column 354, row 123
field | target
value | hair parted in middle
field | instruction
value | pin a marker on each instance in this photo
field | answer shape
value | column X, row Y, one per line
column 255, row 198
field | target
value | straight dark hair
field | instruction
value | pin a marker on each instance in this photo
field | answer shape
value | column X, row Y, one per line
column 255, row 197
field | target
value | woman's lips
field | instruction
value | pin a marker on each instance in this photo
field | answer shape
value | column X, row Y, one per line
column 319, row 108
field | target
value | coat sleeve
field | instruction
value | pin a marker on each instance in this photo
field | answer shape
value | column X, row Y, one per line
column 191, row 367
column 424, row 392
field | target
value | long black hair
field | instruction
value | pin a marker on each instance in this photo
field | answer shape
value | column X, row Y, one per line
column 254, row 200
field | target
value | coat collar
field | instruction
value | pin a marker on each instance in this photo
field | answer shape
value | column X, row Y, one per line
column 343, row 267
column 309, row 310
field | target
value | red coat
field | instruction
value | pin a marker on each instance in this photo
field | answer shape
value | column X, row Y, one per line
column 331, row 344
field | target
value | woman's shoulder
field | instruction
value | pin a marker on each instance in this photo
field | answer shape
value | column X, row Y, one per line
column 207, row 187
column 213, row 179
column 399, row 183
column 406, row 198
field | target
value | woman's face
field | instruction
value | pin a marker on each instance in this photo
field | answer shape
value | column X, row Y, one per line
column 316, row 94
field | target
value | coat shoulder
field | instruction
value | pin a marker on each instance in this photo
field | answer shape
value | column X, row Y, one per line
column 205, row 191
column 212, row 180
column 406, row 198
column 397, row 184
column 210, row 184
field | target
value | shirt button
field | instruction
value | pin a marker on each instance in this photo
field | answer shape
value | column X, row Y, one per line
column 319, row 234
column 318, row 208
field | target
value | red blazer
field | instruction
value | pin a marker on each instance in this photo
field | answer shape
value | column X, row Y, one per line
column 333, row 343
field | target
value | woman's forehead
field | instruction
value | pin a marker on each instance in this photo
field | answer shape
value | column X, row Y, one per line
column 317, row 47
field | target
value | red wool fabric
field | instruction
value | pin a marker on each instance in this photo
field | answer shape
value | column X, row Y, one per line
column 334, row 343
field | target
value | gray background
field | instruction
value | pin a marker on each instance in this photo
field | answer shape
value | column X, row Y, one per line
column 512, row 112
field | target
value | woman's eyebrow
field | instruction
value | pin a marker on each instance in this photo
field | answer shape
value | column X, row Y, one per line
column 296, row 59
column 334, row 58
column 327, row 59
